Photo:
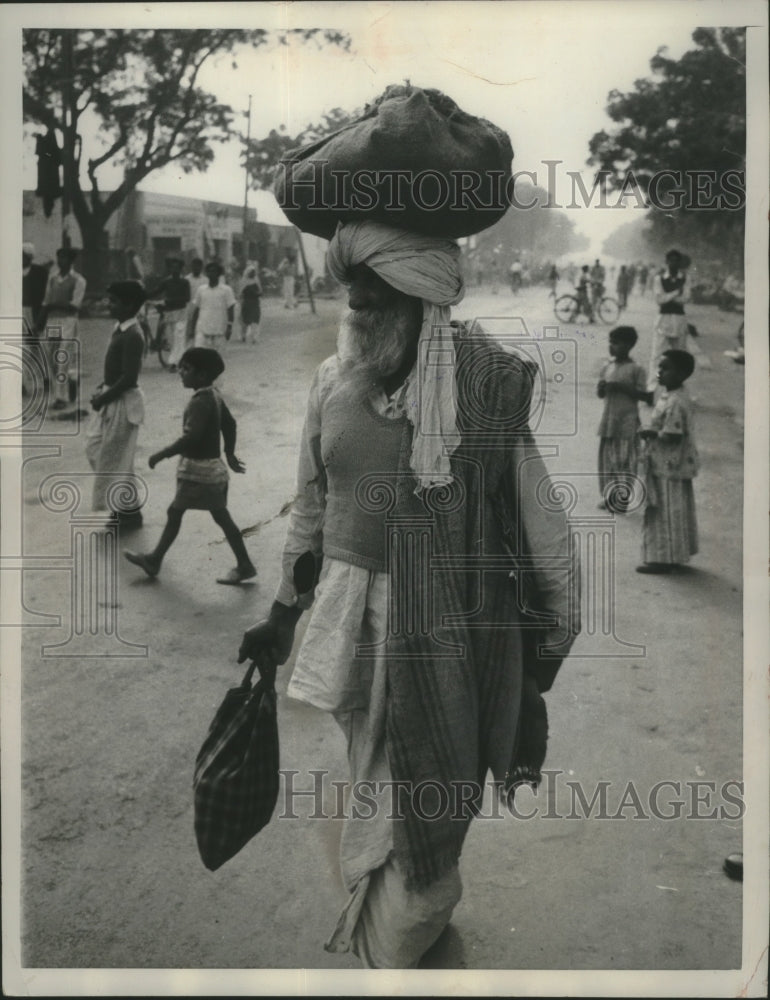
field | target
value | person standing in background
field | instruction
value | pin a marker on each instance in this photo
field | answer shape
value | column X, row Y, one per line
column 251, row 310
column 213, row 311
column 176, row 297
column 118, row 403
column 194, row 279
column 34, row 278
column 59, row 320
column 582, row 293
column 671, row 462
column 623, row 286
column 671, row 290
column 631, row 278
column 288, row 272
column 622, row 385
column 553, row 281
column 597, row 276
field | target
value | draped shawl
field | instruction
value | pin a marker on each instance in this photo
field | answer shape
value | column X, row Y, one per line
column 427, row 268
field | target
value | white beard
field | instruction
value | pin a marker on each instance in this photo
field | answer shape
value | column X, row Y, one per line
column 371, row 343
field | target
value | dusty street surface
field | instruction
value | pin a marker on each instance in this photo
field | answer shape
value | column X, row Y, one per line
column 111, row 877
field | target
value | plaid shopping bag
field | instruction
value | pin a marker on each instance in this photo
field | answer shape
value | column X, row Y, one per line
column 236, row 771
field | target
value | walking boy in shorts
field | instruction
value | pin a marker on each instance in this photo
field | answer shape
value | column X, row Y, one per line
column 202, row 475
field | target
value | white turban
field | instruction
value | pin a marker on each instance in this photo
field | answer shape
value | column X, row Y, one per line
column 427, row 268
column 28, row 249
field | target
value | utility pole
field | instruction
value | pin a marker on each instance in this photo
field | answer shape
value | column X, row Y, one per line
column 68, row 143
column 246, row 189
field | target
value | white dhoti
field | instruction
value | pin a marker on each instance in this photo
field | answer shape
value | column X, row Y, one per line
column 111, row 439
column 176, row 325
column 216, row 341
column 383, row 923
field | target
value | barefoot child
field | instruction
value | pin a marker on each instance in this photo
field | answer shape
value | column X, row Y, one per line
column 670, row 529
column 622, row 383
column 202, row 475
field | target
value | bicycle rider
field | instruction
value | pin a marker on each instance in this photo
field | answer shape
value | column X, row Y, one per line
column 582, row 293
column 598, row 275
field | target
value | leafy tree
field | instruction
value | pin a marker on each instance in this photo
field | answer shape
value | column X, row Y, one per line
column 143, row 88
column 689, row 118
column 633, row 241
column 263, row 155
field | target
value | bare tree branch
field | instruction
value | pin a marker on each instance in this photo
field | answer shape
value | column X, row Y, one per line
column 93, row 165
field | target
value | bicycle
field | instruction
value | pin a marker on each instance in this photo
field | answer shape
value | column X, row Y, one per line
column 160, row 340
column 569, row 307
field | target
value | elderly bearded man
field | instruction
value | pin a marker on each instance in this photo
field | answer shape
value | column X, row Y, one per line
column 416, row 429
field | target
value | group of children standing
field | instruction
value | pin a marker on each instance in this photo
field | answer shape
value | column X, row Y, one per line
column 662, row 453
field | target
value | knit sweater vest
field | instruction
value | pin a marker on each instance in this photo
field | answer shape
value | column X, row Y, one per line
column 360, row 450
column 669, row 284
column 60, row 292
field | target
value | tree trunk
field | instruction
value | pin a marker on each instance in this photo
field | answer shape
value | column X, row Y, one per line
column 94, row 261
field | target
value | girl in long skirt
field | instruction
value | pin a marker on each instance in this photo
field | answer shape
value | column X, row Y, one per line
column 622, row 383
column 671, row 463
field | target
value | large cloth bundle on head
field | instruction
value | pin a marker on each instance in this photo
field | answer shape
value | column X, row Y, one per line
column 414, row 159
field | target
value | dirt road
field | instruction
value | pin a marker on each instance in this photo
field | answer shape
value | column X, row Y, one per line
column 111, row 875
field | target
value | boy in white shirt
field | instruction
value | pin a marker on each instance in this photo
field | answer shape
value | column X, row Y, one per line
column 213, row 311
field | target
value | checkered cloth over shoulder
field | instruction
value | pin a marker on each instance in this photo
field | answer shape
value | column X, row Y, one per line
column 236, row 771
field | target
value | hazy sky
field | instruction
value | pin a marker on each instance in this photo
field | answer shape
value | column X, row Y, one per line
column 541, row 70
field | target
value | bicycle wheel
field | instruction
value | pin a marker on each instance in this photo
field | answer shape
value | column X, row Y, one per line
column 566, row 308
column 608, row 310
